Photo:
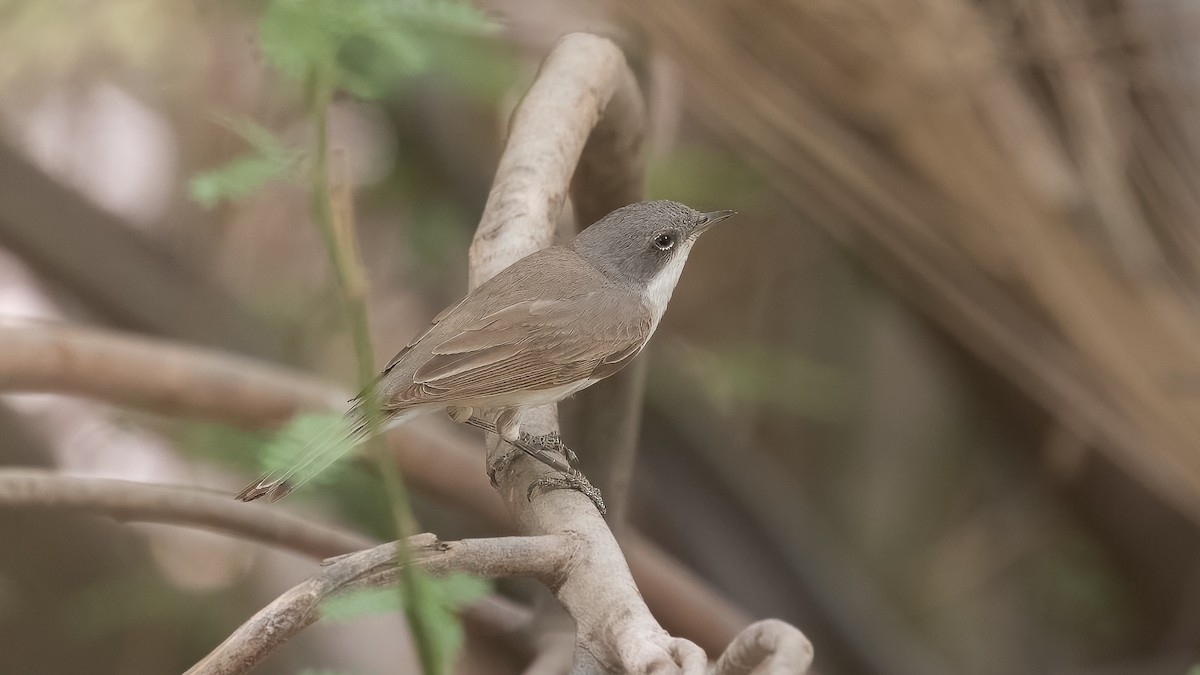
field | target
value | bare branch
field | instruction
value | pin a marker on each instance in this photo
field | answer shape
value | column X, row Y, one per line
column 611, row 174
column 165, row 377
column 127, row 500
column 152, row 374
column 614, row 629
column 769, row 647
column 539, row 557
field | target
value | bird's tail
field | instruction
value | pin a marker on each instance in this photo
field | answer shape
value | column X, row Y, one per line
column 321, row 450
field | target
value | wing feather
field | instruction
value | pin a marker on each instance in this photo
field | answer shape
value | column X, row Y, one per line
column 518, row 350
column 529, row 328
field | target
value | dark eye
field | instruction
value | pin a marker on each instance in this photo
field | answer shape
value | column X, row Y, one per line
column 664, row 242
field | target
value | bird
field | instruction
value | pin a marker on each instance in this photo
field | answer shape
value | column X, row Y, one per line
column 542, row 329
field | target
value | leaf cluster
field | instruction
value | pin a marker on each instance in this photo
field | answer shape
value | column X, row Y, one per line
column 362, row 47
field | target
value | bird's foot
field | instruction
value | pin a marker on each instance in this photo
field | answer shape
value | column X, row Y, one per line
column 569, row 481
column 552, row 442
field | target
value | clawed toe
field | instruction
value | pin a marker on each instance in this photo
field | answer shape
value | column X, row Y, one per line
column 569, row 481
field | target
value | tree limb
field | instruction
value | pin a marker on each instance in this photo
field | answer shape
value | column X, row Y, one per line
column 615, row 631
column 539, row 557
column 156, row 375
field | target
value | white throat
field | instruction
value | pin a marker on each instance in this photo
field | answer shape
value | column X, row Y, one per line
column 658, row 291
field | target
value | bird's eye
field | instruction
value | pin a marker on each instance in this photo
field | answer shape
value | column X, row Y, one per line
column 664, row 242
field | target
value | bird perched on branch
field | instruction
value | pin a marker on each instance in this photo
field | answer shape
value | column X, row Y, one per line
column 547, row 326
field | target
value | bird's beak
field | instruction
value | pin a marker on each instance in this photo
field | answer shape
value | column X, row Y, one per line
column 711, row 218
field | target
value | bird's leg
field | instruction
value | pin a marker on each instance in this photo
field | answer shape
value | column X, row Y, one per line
column 548, row 449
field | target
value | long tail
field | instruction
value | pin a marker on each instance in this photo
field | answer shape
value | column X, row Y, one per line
column 317, row 454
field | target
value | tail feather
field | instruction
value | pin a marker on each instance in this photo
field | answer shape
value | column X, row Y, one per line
column 315, row 456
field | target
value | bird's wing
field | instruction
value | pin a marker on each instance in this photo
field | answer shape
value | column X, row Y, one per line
column 529, row 345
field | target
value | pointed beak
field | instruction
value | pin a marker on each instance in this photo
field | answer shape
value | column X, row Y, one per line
column 711, row 218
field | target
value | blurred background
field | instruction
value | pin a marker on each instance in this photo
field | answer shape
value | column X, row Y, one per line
column 934, row 396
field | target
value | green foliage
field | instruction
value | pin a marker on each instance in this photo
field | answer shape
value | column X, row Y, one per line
column 216, row 442
column 367, row 45
column 361, row 602
column 323, row 671
column 269, row 160
column 441, row 599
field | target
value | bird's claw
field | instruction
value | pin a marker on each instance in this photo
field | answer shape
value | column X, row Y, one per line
column 569, row 481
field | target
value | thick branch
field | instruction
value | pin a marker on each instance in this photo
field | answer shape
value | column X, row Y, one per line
column 126, row 500
column 614, row 629
column 611, row 174
column 298, row 608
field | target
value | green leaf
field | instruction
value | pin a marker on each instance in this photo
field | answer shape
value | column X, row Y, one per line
column 262, row 139
column 309, row 445
column 270, row 161
column 367, row 45
column 361, row 602
column 450, row 594
column 238, row 178
column 439, row 600
column 459, row 589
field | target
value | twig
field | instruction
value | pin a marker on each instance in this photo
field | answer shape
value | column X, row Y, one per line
column 144, row 502
column 538, row 557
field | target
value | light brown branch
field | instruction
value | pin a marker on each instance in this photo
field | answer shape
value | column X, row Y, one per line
column 769, row 647
column 152, row 374
column 611, row 174
column 166, row 377
column 615, row 630
column 125, row 500
column 299, row 607
column 181, row 505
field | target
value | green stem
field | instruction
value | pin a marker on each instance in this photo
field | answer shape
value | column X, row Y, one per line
column 414, row 588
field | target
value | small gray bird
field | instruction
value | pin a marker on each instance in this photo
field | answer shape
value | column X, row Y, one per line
column 547, row 326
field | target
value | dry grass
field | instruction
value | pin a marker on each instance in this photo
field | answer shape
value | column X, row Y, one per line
column 1025, row 170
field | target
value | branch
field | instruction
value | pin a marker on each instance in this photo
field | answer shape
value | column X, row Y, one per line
column 615, row 630
column 160, row 376
column 125, row 500
column 152, row 374
column 610, row 174
column 298, row 608
column 142, row 502
column 769, row 647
